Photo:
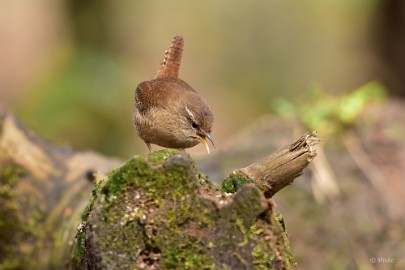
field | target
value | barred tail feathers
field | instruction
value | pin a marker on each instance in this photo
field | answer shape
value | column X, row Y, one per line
column 170, row 65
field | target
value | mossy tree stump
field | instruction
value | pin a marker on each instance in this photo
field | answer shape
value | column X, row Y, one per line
column 160, row 213
column 154, row 212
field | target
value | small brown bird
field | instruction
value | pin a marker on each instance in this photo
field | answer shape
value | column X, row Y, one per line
column 168, row 111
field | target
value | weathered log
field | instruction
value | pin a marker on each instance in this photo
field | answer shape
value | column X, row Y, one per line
column 43, row 192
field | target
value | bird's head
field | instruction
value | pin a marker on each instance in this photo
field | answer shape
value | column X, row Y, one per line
column 197, row 120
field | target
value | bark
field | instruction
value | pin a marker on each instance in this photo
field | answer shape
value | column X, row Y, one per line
column 154, row 212
column 388, row 39
column 277, row 170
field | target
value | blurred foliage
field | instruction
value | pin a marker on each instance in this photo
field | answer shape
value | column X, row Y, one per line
column 353, row 103
column 86, row 95
column 327, row 113
column 237, row 55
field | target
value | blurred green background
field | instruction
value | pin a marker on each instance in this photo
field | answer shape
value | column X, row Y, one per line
column 69, row 69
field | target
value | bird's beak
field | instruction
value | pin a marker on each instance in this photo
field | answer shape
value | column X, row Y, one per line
column 203, row 139
column 208, row 135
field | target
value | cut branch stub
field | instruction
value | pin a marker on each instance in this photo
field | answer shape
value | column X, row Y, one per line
column 172, row 59
column 277, row 170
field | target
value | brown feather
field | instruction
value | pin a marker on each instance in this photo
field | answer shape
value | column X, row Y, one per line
column 170, row 65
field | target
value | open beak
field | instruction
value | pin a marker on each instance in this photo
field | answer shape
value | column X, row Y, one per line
column 203, row 139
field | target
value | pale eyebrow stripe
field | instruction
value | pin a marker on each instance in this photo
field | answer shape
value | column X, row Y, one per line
column 189, row 112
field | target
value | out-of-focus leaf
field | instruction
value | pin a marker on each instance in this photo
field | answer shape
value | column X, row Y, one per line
column 283, row 107
column 354, row 102
column 326, row 113
column 318, row 111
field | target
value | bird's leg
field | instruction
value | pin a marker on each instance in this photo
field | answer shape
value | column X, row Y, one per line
column 149, row 147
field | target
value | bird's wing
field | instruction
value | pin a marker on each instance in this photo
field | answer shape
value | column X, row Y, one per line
column 160, row 93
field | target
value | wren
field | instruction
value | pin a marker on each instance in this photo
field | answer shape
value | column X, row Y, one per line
column 168, row 111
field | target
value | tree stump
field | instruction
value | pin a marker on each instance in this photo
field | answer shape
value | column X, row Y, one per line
column 154, row 212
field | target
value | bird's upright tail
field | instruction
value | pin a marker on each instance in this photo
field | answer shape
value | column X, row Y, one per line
column 172, row 59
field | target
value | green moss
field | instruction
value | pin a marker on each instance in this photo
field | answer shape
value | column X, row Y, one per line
column 246, row 206
column 179, row 249
column 263, row 241
column 158, row 157
column 264, row 257
column 233, row 182
column 204, row 182
column 154, row 187
column 126, row 239
column 79, row 248
column 191, row 255
column 140, row 173
column 280, row 220
column 241, row 259
column 10, row 224
column 242, row 228
column 118, row 179
column 21, row 222
column 93, row 198
column 150, row 211
column 282, row 239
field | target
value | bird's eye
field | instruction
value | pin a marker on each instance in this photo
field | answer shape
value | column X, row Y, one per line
column 194, row 125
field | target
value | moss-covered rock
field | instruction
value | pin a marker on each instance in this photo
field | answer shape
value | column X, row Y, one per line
column 160, row 213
